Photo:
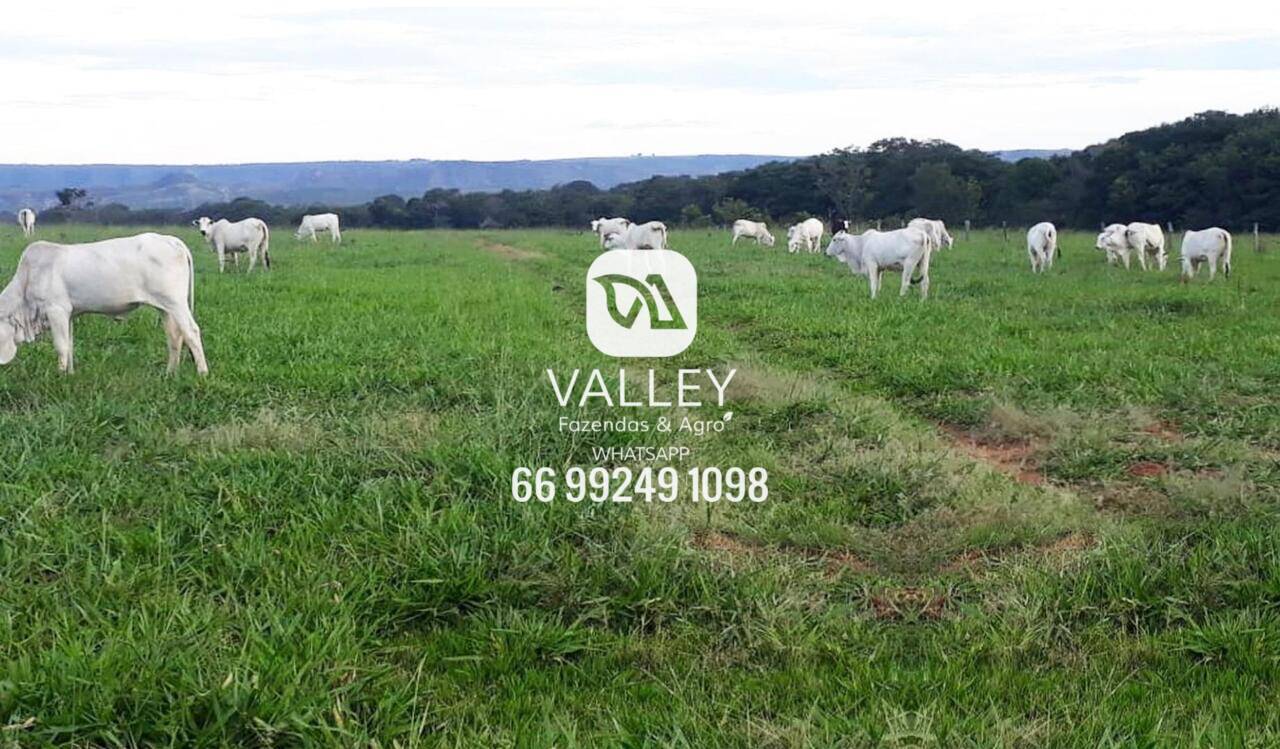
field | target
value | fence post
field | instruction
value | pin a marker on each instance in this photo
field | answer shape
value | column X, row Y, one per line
column 877, row 224
column 1257, row 241
column 1169, row 225
column 1004, row 231
column 966, row 230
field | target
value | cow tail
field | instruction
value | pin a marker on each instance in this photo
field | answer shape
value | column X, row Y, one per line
column 928, row 250
column 266, row 245
column 1226, row 265
column 191, row 278
column 1057, row 248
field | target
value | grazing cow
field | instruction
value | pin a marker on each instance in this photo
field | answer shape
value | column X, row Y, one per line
column 756, row 230
column 1111, row 241
column 603, row 227
column 1146, row 239
column 1042, row 246
column 807, row 234
column 251, row 236
column 873, row 252
column 27, row 220
column 319, row 222
column 650, row 236
column 57, row 282
column 1206, row 245
column 935, row 229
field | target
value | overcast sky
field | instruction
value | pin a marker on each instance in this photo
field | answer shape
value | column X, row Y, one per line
column 159, row 82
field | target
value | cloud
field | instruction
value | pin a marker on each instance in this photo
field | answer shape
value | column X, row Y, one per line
column 314, row 80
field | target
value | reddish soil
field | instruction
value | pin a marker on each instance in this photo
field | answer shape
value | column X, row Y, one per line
column 1147, row 469
column 1013, row 459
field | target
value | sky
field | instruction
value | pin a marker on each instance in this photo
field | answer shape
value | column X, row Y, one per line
column 235, row 81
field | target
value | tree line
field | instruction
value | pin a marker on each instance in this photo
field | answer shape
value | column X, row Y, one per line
column 1213, row 168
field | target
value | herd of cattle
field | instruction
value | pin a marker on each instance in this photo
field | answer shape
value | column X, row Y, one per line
column 54, row 283
column 910, row 248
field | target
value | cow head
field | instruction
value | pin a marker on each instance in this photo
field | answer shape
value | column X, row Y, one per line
column 767, row 239
column 614, row 241
column 204, row 224
column 595, row 224
column 8, row 342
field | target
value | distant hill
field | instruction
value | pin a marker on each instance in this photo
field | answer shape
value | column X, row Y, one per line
column 337, row 182
column 1019, row 154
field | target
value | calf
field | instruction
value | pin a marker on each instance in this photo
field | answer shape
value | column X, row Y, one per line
column 57, row 282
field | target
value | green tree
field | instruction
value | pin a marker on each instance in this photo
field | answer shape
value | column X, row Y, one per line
column 68, row 197
column 843, row 176
column 728, row 210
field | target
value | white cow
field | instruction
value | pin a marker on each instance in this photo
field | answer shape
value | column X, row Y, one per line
column 807, row 234
column 603, row 227
column 226, row 238
column 873, row 252
column 27, row 220
column 1206, row 245
column 1146, row 239
column 1042, row 246
column 650, row 236
column 57, row 282
column 757, row 230
column 319, row 222
column 1111, row 240
column 935, row 229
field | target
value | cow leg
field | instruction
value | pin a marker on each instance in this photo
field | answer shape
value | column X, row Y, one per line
column 253, row 260
column 924, row 275
column 907, row 268
column 873, row 278
column 1162, row 259
column 190, row 331
column 60, row 331
column 235, row 257
column 174, row 335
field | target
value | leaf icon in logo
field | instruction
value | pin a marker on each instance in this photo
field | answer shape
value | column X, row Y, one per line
column 648, row 300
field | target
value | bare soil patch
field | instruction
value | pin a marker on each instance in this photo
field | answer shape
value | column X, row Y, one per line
column 1147, row 469
column 509, row 252
column 834, row 561
column 1060, row 548
column 1013, row 459
column 896, row 604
